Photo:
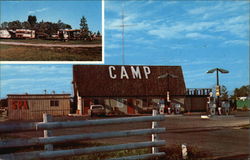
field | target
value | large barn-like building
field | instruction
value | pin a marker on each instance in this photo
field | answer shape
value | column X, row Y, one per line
column 129, row 89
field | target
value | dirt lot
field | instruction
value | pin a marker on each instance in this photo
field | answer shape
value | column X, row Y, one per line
column 50, row 53
column 223, row 136
column 48, row 50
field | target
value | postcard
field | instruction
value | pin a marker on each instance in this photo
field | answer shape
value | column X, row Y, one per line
column 111, row 79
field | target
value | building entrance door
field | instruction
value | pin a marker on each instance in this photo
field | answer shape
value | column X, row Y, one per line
column 130, row 107
column 86, row 106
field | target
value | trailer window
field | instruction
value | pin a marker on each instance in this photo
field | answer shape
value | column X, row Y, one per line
column 54, row 103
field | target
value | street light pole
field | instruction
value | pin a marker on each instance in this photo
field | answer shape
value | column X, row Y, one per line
column 217, row 78
column 217, row 81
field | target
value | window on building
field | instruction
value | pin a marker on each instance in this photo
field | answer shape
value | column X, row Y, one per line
column 54, row 103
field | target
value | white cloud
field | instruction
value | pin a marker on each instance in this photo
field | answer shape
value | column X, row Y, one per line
column 238, row 26
column 38, row 10
column 142, row 40
column 199, row 10
column 112, row 46
column 237, row 42
column 179, row 29
column 131, row 23
column 196, row 35
column 178, row 46
column 222, row 8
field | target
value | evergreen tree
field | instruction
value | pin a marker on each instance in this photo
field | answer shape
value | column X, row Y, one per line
column 84, row 28
column 98, row 34
column 84, row 25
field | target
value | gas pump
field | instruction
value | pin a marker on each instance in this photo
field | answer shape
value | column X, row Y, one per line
column 162, row 106
column 177, row 108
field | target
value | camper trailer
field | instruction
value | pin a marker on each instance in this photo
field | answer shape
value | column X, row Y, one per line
column 25, row 33
column 5, row 34
column 66, row 34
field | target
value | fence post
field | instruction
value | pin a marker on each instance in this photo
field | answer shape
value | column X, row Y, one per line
column 47, row 133
column 154, row 136
column 184, row 151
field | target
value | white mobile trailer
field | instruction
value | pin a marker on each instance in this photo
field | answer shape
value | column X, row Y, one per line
column 5, row 34
column 25, row 33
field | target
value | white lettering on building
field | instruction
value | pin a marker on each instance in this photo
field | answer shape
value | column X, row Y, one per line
column 124, row 72
column 146, row 71
column 113, row 76
column 135, row 71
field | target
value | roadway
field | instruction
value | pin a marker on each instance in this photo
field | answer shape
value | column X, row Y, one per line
column 53, row 45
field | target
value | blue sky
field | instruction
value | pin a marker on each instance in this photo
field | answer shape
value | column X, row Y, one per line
column 69, row 12
column 197, row 35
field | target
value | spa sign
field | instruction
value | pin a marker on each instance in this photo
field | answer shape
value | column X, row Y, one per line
column 136, row 72
column 19, row 105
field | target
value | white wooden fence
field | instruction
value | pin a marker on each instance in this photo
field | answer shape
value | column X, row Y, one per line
column 48, row 140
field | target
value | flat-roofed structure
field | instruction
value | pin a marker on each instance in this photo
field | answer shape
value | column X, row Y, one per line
column 32, row 106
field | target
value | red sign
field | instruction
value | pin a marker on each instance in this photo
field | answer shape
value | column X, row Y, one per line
column 20, row 104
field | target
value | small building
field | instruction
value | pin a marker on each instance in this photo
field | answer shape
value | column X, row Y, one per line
column 243, row 103
column 69, row 34
column 127, row 89
column 197, row 99
column 32, row 106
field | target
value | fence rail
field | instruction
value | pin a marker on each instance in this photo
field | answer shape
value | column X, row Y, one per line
column 48, row 140
column 68, row 138
column 74, row 124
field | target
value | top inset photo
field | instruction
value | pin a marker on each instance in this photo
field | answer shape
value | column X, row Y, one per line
column 51, row 31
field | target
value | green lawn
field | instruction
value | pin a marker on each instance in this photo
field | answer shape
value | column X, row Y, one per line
column 41, row 41
column 27, row 53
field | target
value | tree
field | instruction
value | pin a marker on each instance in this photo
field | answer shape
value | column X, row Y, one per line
column 84, row 24
column 32, row 20
column 98, row 34
column 224, row 93
column 15, row 25
column 4, row 25
column 62, row 25
column 84, row 28
column 25, row 25
column 243, row 91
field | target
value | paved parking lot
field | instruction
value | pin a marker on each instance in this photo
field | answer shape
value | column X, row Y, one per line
column 219, row 135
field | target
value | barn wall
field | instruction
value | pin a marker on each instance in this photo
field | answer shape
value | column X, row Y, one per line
column 180, row 100
column 196, row 103
column 131, row 105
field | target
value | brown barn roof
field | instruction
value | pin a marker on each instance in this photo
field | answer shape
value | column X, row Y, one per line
column 95, row 81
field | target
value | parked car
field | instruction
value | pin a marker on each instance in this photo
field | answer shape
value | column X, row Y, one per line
column 97, row 110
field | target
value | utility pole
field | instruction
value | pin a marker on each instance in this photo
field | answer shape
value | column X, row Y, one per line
column 123, row 28
column 123, row 25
